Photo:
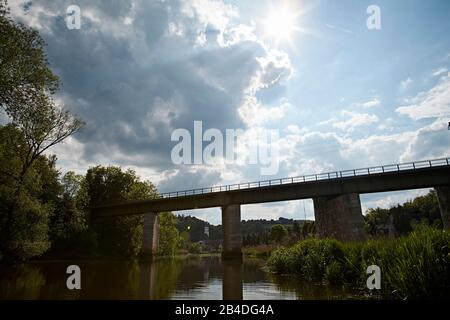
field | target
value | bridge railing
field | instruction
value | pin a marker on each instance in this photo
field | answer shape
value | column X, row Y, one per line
column 314, row 177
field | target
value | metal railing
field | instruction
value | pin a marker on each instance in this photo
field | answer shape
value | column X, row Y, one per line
column 314, row 177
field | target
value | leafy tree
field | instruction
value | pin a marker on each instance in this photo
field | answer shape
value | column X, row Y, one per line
column 169, row 237
column 69, row 218
column 25, row 74
column 375, row 218
column 117, row 236
column 36, row 124
column 296, row 229
column 278, row 233
column 308, row 229
column 24, row 234
column 422, row 209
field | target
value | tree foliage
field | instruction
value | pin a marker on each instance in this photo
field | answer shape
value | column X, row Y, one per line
column 278, row 233
column 422, row 209
column 27, row 228
column 30, row 187
column 169, row 236
column 117, row 236
column 26, row 77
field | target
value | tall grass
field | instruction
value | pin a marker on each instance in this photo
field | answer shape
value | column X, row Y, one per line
column 414, row 266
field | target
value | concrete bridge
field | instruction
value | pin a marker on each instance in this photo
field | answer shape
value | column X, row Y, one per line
column 337, row 206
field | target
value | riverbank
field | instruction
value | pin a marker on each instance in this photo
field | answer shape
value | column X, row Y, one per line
column 414, row 266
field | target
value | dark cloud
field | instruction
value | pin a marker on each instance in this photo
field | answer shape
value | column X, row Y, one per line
column 134, row 83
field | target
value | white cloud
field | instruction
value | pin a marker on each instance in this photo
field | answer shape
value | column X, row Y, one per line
column 354, row 120
column 375, row 102
column 215, row 13
column 429, row 142
column 433, row 103
column 439, row 71
column 254, row 113
column 404, row 84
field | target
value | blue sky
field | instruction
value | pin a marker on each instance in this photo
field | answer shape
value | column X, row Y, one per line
column 342, row 96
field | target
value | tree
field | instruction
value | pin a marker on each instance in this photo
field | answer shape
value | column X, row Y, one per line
column 69, row 218
column 27, row 229
column 169, row 237
column 308, row 228
column 26, row 87
column 25, row 74
column 296, row 229
column 278, row 233
column 117, row 236
column 374, row 219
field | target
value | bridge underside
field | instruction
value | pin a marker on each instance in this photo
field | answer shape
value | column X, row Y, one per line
column 337, row 206
column 338, row 217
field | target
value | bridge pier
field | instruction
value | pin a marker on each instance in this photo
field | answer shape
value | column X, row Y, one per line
column 443, row 194
column 150, row 239
column 231, row 229
column 339, row 217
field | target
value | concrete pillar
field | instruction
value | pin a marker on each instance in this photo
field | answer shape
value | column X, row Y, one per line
column 443, row 194
column 150, row 240
column 232, row 287
column 231, row 229
column 339, row 217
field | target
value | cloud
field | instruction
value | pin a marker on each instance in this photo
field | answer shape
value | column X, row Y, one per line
column 330, row 26
column 354, row 120
column 434, row 103
column 439, row 71
column 404, row 84
column 429, row 142
column 375, row 102
column 137, row 70
column 192, row 178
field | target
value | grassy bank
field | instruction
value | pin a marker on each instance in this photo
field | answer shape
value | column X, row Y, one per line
column 260, row 251
column 414, row 266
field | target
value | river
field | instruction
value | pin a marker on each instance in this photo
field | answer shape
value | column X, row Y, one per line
column 190, row 278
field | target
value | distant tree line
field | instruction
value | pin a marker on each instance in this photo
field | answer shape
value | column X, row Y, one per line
column 254, row 232
column 285, row 234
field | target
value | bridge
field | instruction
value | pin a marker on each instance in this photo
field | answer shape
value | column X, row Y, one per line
column 336, row 197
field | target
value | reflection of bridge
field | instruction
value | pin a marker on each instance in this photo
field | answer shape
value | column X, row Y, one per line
column 154, row 282
column 337, row 206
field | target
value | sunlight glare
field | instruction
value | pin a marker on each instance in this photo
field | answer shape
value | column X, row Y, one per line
column 280, row 23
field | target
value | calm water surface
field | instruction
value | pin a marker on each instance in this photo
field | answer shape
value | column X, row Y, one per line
column 179, row 278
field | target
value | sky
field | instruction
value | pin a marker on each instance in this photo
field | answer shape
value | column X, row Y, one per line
column 340, row 95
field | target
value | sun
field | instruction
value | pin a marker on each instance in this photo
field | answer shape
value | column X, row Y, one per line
column 280, row 23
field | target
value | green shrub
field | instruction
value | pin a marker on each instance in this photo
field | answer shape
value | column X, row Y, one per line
column 415, row 266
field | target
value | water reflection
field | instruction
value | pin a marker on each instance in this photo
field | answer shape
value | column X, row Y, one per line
column 232, row 280
column 181, row 278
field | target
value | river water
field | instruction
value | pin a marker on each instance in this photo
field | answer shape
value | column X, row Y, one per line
column 176, row 278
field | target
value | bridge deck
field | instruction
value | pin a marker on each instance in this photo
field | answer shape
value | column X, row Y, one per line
column 413, row 175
